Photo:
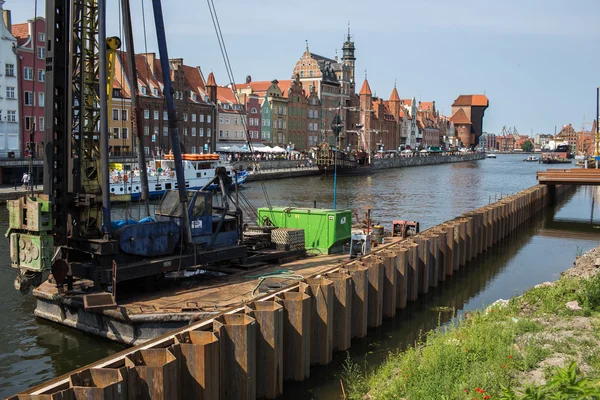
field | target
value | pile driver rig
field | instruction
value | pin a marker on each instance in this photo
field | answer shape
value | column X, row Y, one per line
column 68, row 230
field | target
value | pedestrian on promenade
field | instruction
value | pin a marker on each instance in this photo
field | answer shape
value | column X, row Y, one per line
column 25, row 180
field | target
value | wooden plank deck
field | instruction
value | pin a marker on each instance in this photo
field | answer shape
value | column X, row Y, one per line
column 573, row 176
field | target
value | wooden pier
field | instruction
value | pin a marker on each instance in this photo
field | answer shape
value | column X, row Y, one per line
column 572, row 176
column 247, row 350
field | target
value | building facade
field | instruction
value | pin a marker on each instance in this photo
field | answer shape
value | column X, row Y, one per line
column 297, row 116
column 10, row 139
column 467, row 116
column 31, row 52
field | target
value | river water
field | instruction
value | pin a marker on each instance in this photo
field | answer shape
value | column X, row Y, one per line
column 32, row 350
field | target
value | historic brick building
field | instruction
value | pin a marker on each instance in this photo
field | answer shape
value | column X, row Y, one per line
column 195, row 111
column 568, row 134
column 467, row 116
column 297, row 116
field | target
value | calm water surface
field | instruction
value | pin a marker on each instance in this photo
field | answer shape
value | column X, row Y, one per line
column 32, row 350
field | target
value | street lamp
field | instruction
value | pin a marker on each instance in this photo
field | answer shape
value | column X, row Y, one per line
column 336, row 128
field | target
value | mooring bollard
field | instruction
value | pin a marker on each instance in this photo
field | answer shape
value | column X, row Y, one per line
column 269, row 347
column 237, row 339
column 342, row 310
column 296, row 335
column 152, row 374
column 197, row 354
column 321, row 321
column 360, row 296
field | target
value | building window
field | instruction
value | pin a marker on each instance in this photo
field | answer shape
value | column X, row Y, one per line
column 11, row 116
column 225, row 106
column 29, row 123
column 115, row 114
column 226, row 133
column 193, row 131
column 165, row 131
column 28, row 98
column 235, row 134
column 156, row 115
column 155, row 91
column 146, row 114
column 201, row 132
column 41, row 53
column 253, row 110
column 41, row 99
column 227, row 120
column 235, row 121
column 146, row 150
column 185, row 117
column 146, row 130
column 220, row 119
column 201, row 117
column 193, row 149
column 41, row 75
column 185, row 131
column 124, row 115
column 27, row 72
column 165, row 116
column 208, row 118
column 208, row 132
column 125, row 133
column 42, row 37
column 220, row 133
column 10, row 92
column 193, row 117
column 115, row 133
column 42, row 125
column 144, row 90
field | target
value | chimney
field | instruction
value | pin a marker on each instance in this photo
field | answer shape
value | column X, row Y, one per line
column 6, row 17
column 150, row 58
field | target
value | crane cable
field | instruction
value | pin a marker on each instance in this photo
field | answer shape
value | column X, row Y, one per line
column 229, row 70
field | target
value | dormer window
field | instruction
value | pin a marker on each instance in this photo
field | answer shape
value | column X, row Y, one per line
column 143, row 90
column 225, row 106
column 155, row 91
column 194, row 97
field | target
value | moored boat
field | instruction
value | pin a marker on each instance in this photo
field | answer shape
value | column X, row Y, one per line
column 532, row 159
column 198, row 169
column 490, row 155
column 356, row 163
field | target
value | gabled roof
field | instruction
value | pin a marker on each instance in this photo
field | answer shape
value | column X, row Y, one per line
column 394, row 96
column 460, row 118
column 261, row 87
column 366, row 89
column 473, row 100
column 426, row 105
column 407, row 102
column 226, row 95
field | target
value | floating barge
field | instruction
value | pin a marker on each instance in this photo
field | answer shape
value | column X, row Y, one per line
column 248, row 347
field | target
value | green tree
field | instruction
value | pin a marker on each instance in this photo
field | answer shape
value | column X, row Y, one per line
column 527, row 146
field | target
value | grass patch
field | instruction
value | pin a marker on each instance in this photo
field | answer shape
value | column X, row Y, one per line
column 490, row 352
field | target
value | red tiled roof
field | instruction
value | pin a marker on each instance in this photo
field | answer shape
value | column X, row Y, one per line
column 366, row 89
column 394, row 96
column 476, row 100
column 460, row 118
column 20, row 31
column 225, row 94
column 261, row 87
column 211, row 80
column 407, row 102
column 426, row 105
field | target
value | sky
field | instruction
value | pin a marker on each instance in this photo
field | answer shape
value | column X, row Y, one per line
column 534, row 59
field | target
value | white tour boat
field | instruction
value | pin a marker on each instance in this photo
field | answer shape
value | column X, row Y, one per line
column 198, row 170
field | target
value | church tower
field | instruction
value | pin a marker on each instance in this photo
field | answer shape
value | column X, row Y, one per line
column 348, row 59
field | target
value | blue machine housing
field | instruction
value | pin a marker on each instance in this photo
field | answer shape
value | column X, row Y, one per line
column 149, row 239
column 203, row 223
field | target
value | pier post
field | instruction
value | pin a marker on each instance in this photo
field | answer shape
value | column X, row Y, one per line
column 197, row 353
column 448, row 229
column 401, row 275
column 412, row 270
column 152, row 374
column 434, row 258
column 237, row 337
column 342, row 310
column 321, row 322
column 99, row 383
column 360, row 296
column 375, row 302
column 296, row 335
column 389, row 283
column 424, row 262
column 269, row 347
column 462, row 241
column 442, row 253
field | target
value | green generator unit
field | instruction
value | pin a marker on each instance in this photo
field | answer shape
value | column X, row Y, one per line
column 325, row 231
